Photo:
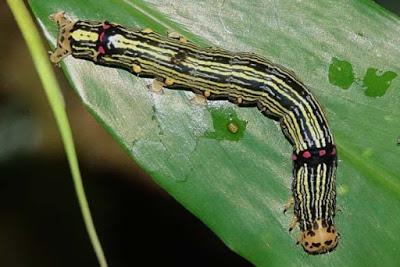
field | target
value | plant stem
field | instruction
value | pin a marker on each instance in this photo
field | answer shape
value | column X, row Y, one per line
column 50, row 85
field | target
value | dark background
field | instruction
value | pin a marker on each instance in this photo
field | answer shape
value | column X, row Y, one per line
column 40, row 221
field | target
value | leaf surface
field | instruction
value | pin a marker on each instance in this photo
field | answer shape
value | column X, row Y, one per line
column 347, row 52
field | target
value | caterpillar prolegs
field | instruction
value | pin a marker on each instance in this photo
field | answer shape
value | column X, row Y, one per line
column 242, row 78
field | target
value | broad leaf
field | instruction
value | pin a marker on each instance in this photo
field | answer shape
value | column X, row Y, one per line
column 347, row 52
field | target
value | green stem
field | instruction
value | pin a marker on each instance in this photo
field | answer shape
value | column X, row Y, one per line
column 50, row 85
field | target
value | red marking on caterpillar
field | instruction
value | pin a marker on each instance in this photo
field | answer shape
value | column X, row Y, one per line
column 322, row 152
column 101, row 38
column 101, row 50
column 306, row 154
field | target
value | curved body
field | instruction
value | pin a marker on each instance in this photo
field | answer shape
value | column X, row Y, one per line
column 242, row 78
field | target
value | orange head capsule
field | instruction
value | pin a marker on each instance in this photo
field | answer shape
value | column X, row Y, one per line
column 321, row 239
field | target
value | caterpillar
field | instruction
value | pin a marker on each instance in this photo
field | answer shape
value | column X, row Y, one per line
column 245, row 79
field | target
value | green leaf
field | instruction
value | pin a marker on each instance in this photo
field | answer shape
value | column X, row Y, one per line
column 238, row 185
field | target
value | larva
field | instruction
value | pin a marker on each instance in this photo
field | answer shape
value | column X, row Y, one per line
column 242, row 78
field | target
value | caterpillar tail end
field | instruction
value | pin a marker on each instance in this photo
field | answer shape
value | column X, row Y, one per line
column 321, row 239
column 65, row 26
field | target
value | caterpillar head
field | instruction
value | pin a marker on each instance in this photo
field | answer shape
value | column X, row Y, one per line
column 321, row 239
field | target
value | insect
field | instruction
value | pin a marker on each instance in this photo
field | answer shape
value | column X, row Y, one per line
column 242, row 78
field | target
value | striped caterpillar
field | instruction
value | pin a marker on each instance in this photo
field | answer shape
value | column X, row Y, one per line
column 242, row 78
